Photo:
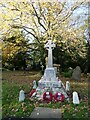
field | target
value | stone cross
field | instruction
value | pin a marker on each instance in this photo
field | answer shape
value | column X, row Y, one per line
column 50, row 46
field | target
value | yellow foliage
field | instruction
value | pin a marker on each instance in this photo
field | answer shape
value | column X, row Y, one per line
column 51, row 15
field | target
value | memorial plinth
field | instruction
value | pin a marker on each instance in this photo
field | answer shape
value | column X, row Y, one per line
column 49, row 81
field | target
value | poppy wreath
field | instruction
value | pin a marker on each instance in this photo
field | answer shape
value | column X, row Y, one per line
column 47, row 99
column 31, row 93
column 62, row 97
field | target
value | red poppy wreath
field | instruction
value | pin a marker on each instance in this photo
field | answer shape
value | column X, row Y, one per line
column 47, row 96
column 31, row 93
column 59, row 97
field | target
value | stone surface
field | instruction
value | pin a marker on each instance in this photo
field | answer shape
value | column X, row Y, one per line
column 67, row 86
column 75, row 98
column 41, row 112
column 34, row 84
column 50, row 46
column 21, row 96
column 76, row 75
column 50, row 74
column 49, row 82
column 55, row 68
column 49, row 79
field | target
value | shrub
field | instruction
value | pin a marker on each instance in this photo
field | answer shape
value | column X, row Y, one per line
column 67, row 74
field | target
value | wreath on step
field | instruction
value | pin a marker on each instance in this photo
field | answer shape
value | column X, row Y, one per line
column 31, row 93
column 47, row 96
column 59, row 97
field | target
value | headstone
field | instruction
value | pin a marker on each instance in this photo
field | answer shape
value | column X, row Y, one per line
column 21, row 96
column 13, row 69
column 88, row 74
column 34, row 84
column 75, row 98
column 76, row 75
column 42, row 67
column 67, row 86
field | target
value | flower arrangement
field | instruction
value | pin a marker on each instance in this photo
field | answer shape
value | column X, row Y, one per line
column 47, row 96
column 31, row 93
column 59, row 97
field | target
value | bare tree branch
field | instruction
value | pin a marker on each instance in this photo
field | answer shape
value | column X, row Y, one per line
column 32, row 35
column 41, row 13
column 71, row 12
column 38, row 18
column 29, row 28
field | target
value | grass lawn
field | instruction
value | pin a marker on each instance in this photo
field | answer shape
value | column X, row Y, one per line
column 14, row 81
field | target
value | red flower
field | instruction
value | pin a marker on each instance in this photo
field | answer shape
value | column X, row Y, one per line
column 31, row 93
column 59, row 97
column 49, row 98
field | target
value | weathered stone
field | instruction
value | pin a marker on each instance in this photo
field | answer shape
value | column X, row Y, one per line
column 21, row 96
column 49, row 82
column 75, row 98
column 41, row 112
column 76, row 75
column 67, row 86
column 34, row 84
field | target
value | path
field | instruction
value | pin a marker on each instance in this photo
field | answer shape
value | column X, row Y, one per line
column 41, row 112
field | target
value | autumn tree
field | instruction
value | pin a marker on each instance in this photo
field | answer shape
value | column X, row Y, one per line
column 88, row 37
column 14, row 49
column 45, row 20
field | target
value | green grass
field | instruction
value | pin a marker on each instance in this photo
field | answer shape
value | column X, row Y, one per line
column 76, row 111
column 11, row 104
column 14, row 81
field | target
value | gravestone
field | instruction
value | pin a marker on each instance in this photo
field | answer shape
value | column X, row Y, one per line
column 34, row 84
column 75, row 98
column 76, row 75
column 21, row 96
column 13, row 69
column 42, row 66
column 67, row 86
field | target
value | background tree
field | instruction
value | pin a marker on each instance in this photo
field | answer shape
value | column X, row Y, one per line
column 41, row 20
column 15, row 48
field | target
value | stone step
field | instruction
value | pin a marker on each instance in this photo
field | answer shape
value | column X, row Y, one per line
column 42, row 112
